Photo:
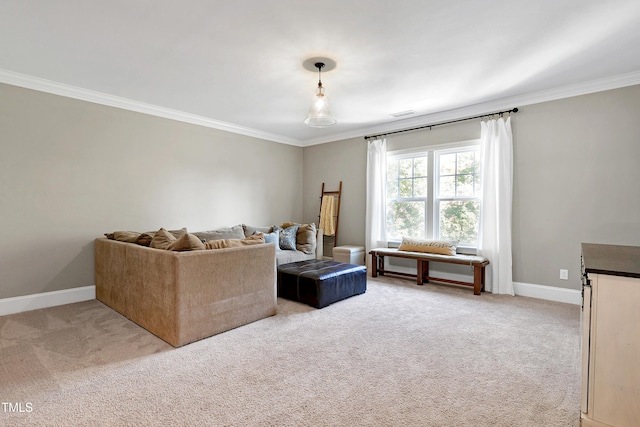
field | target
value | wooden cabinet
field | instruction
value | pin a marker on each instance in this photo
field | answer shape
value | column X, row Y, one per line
column 610, row 394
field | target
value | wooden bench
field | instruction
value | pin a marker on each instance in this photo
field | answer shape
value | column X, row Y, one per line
column 477, row 262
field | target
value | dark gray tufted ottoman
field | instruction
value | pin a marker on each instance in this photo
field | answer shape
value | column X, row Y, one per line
column 320, row 283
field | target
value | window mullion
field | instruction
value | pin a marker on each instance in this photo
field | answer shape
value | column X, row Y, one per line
column 431, row 188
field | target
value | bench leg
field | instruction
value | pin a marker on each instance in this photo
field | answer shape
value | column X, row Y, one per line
column 478, row 279
column 423, row 272
column 377, row 265
column 374, row 265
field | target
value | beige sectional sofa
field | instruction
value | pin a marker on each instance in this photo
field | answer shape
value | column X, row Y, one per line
column 186, row 296
column 184, row 287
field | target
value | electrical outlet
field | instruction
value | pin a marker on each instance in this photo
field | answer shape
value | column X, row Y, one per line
column 564, row 274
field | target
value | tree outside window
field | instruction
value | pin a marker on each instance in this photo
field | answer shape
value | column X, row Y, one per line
column 407, row 191
column 458, row 195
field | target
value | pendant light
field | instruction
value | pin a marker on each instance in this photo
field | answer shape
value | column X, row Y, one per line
column 319, row 113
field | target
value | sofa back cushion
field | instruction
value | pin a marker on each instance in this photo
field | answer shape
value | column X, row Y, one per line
column 250, row 230
column 235, row 232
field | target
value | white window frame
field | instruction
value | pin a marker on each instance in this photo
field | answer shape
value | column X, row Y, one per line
column 432, row 202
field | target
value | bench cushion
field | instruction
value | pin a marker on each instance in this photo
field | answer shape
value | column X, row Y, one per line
column 454, row 259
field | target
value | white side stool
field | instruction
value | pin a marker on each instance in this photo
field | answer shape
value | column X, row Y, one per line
column 349, row 254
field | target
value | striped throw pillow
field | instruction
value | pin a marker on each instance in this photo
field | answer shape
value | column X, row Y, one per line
column 443, row 247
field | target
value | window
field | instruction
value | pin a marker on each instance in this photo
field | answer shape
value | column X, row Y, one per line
column 407, row 191
column 434, row 194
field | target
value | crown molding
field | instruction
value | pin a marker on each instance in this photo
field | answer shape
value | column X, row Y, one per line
column 48, row 86
column 568, row 91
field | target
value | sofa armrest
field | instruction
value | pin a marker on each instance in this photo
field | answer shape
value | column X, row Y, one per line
column 185, row 296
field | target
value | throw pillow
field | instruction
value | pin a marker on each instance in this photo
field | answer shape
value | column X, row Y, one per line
column 443, row 247
column 145, row 238
column 273, row 237
column 178, row 233
column 288, row 238
column 162, row 239
column 256, row 239
column 306, row 238
column 126, row 236
column 186, row 242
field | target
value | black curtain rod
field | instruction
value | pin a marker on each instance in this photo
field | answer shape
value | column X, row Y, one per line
column 513, row 110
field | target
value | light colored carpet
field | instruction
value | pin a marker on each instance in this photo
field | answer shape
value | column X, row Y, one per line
column 398, row 355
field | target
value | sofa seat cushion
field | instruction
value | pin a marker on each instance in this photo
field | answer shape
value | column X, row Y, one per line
column 256, row 239
column 286, row 257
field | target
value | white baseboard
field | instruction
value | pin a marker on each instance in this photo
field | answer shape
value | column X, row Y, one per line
column 86, row 293
column 46, row 299
column 551, row 293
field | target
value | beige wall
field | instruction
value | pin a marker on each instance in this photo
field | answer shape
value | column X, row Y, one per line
column 331, row 163
column 72, row 170
column 575, row 179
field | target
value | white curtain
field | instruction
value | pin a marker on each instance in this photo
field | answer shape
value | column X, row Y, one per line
column 376, row 196
column 494, row 240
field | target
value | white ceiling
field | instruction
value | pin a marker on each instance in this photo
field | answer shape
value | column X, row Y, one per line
column 237, row 65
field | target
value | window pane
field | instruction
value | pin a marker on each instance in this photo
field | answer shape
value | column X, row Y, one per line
column 406, row 188
column 465, row 185
column 448, row 164
column 406, row 219
column 458, row 220
column 466, row 162
column 420, row 166
column 405, row 168
column 420, row 188
column 392, row 189
column 447, row 186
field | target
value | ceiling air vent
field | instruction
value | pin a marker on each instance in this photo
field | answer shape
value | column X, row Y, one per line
column 403, row 113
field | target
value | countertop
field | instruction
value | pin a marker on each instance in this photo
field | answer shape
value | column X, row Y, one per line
column 614, row 260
